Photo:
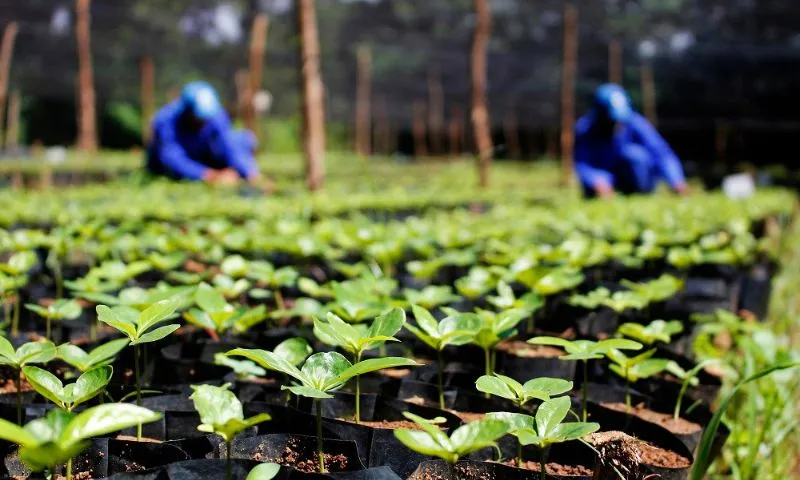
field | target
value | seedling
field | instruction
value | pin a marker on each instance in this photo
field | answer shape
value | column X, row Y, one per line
column 431, row 296
column 60, row 435
column 104, row 354
column 583, row 351
column 167, row 262
column 27, row 354
column 229, row 287
column 506, row 300
column 690, row 379
column 656, row 331
column 88, row 386
column 454, row 330
column 321, row 374
column 546, row 428
column 336, row 332
column 16, row 268
column 633, row 369
column 140, row 328
column 468, row 438
column 274, row 279
column 542, row 388
column 221, row 413
column 218, row 316
column 242, row 369
column 618, row 301
column 59, row 310
column 658, row 290
column 495, row 327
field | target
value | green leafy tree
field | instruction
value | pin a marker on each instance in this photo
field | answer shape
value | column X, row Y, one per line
column 454, row 330
column 320, row 375
column 468, row 438
column 546, row 428
column 27, row 354
column 221, row 413
column 60, row 436
column 355, row 340
column 61, row 309
column 583, row 351
column 89, row 385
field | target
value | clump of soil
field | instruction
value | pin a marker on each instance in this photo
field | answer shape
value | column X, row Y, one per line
column 76, row 476
column 395, row 372
column 520, row 348
column 417, row 400
column 304, row 462
column 658, row 457
column 8, row 385
column 553, row 468
column 386, row 424
column 617, row 452
column 679, row 426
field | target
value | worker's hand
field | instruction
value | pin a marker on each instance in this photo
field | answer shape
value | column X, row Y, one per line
column 683, row 190
column 604, row 190
column 227, row 176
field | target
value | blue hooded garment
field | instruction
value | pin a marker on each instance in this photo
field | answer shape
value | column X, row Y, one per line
column 633, row 160
column 182, row 154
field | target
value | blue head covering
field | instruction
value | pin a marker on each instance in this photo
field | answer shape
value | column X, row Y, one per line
column 201, row 100
column 612, row 101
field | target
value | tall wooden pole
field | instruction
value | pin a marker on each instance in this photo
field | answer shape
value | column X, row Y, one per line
column 87, row 117
column 258, row 46
column 649, row 94
column 363, row 101
column 313, row 96
column 148, row 95
column 480, row 111
column 6, row 53
column 436, row 112
column 418, row 130
column 12, row 134
column 615, row 62
column 568, row 75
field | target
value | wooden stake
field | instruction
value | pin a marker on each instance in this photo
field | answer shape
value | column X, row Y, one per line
column 649, row 94
column 6, row 53
column 12, row 134
column 568, row 75
column 480, row 110
column 87, row 117
column 418, row 130
column 148, row 95
column 313, row 96
column 511, row 133
column 436, row 112
column 615, row 62
column 363, row 99
column 456, row 131
column 258, row 46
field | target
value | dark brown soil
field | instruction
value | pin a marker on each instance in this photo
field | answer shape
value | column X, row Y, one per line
column 523, row 349
column 679, row 426
column 658, row 457
column 386, row 424
column 127, row 438
column 553, row 468
column 262, row 380
column 467, row 417
column 395, row 372
column 305, row 463
column 76, row 476
column 8, row 385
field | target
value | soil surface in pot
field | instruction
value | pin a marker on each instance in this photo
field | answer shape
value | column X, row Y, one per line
column 75, row 476
column 552, row 468
column 464, row 416
column 309, row 464
column 658, row 457
column 8, row 385
column 519, row 348
column 128, row 438
column 385, row 424
column 679, row 426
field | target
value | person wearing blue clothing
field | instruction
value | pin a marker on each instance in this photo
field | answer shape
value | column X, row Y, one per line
column 193, row 139
column 618, row 150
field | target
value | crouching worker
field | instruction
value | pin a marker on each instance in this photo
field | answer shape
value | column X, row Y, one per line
column 193, row 139
column 618, row 150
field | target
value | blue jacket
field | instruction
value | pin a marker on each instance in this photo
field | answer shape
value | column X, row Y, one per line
column 188, row 155
column 598, row 160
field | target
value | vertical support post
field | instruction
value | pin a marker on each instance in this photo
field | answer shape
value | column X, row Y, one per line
column 435, row 112
column 87, row 117
column 258, row 47
column 615, row 62
column 363, row 101
column 568, row 76
column 313, row 96
column 649, row 94
column 418, row 130
column 148, row 95
column 6, row 54
column 480, row 111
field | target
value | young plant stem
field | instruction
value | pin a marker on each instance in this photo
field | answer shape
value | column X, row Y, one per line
column 320, row 453
column 279, row 299
column 585, row 391
column 519, row 455
column 15, row 319
column 358, row 391
column 228, row 475
column 47, row 328
column 19, row 397
column 488, row 360
column 58, row 278
column 542, row 464
column 69, row 469
column 138, row 387
column 439, row 368
column 627, row 392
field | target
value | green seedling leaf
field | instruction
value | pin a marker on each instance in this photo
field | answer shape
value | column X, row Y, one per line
column 264, row 471
column 78, row 358
column 294, row 350
column 221, row 412
column 89, row 385
column 243, row 369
